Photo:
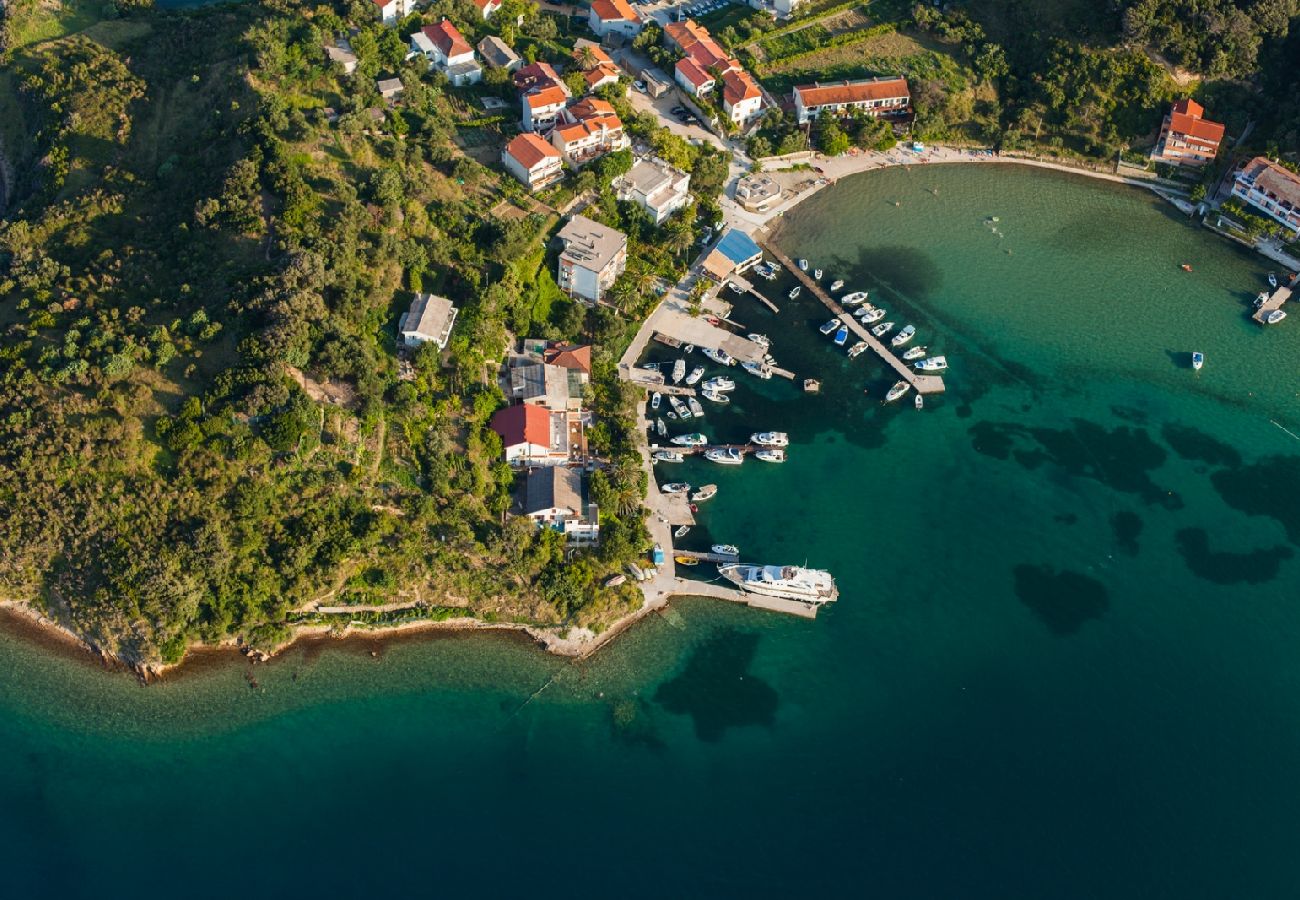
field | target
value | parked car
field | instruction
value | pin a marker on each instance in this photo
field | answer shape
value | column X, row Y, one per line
column 639, row 85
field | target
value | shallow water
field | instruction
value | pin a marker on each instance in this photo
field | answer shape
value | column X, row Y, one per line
column 1062, row 663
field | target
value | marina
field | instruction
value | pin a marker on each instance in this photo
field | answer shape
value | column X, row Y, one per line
column 925, row 384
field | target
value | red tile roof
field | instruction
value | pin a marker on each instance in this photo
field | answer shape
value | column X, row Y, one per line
column 852, row 91
column 614, row 11
column 687, row 68
column 526, row 423
column 535, row 75
column 594, row 51
column 1185, row 119
column 600, row 74
column 484, row 4
column 570, row 356
column 528, row 150
column 1189, row 107
column 589, row 108
column 547, row 96
column 737, row 85
column 447, row 38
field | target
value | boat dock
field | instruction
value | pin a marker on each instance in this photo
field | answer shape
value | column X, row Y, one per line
column 636, row 376
column 746, row 286
column 924, row 384
column 1275, row 301
column 707, row 557
column 688, row 587
column 703, row 448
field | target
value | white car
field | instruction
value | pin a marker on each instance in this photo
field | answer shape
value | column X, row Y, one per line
column 639, row 85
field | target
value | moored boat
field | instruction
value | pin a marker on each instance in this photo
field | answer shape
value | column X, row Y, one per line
column 694, row 439
column 762, row 340
column 899, row 389
column 830, row 326
column 920, row 401
column 770, row 455
column 857, row 349
column 1272, row 279
column 811, row 385
column 882, row 329
column 817, row 274
column 842, row 335
column 788, row 582
column 720, row 356
column 719, row 383
column 715, row 396
column 682, row 410
column 675, row 487
column 794, row 292
column 904, row 336
column 689, row 348
column 854, row 298
column 1260, row 299
column 696, row 374
column 915, row 353
column 661, row 427
column 696, row 409
column 1274, row 317
column 875, row 314
column 705, row 492
column 681, row 531
column 725, row 549
column 727, row 456
column 803, row 265
column 667, row 456
column 1198, row 359
column 837, row 284
column 758, row 370
column 679, row 370
column 770, row 439
column 655, row 399
column 933, row 364
column 686, row 560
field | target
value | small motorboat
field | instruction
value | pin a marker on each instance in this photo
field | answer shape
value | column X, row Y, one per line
column 727, row 456
column 675, row 487
column 661, row 427
column 837, row 284
column 904, row 336
column 899, row 389
column 1186, row 267
column 681, row 531
column 882, row 329
column 762, row 340
column 719, row 356
column 689, row 348
column 758, row 370
column 681, row 409
column 794, row 292
column 705, row 492
column 719, row 383
column 615, row 580
column 1198, row 359
column 668, row 456
column 1272, row 279
column 1274, row 317
column 830, row 326
column 769, row 455
column 770, row 439
column 714, row 396
column 726, row 549
column 696, row 374
column 803, row 265
column 875, row 314
column 919, row 402
column 655, row 398
column 817, row 274
column 651, row 367
column 854, row 298
column 842, row 335
column 915, row 353
column 679, row 371
column 686, row 560
column 694, row 439
column 933, row 364
column 857, row 349
column 811, row 385
column 1260, row 299
column 696, row 409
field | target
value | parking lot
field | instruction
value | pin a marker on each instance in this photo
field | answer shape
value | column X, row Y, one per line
column 663, row 108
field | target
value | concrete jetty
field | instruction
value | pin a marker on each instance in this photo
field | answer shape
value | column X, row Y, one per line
column 746, row 286
column 924, row 384
column 1275, row 301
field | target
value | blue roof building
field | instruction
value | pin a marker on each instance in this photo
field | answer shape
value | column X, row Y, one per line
column 734, row 253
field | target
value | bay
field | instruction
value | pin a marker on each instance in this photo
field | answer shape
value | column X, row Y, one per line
column 1062, row 662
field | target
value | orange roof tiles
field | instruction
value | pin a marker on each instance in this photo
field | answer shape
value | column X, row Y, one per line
column 526, row 423
column 528, row 150
column 615, row 11
column 1185, row 119
column 447, row 38
column 570, row 356
column 738, row 86
column 548, row 96
column 852, row 91
column 687, row 68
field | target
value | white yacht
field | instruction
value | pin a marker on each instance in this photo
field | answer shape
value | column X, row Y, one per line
column 762, row 340
column 770, row 439
column 719, row 383
column 882, row 329
column 758, row 370
column 915, row 353
column 696, row 409
column 803, row 265
column 681, row 531
column 817, row 274
column 875, row 314
column 675, row 487
column 682, row 410
column 705, row 492
column 854, row 298
column 726, row 549
column 679, row 370
column 695, row 439
column 668, row 456
column 715, row 396
column 661, row 427
column 790, row 582
column 720, row 356
column 933, row 364
column 904, row 336
column 899, row 389
column 727, row 456
column 857, row 349
column 767, row 455
column 794, row 292
column 830, row 327
column 1274, row 317
column 655, row 399
column 696, row 374
column 837, row 284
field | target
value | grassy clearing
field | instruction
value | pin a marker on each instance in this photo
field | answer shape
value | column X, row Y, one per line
column 881, row 47
column 44, row 21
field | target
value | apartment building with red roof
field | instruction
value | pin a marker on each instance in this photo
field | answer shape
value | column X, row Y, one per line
column 532, row 161
column 614, row 17
column 1186, row 137
column 889, row 97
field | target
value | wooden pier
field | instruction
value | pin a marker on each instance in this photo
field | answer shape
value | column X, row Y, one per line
column 704, row 448
column 708, row 557
column 747, row 287
column 1275, row 301
column 924, row 384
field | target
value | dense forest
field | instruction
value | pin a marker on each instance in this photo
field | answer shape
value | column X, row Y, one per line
column 209, row 232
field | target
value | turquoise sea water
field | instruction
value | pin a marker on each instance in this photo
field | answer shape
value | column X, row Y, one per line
column 1063, row 662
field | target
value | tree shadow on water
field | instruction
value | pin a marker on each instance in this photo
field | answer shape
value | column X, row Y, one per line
column 715, row 688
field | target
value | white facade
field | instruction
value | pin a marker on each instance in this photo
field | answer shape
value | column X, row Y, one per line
column 594, row 255
column 606, row 18
column 534, row 162
column 391, row 11
column 656, row 187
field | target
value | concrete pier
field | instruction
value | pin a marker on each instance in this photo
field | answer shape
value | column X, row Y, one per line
column 924, row 384
column 1275, row 301
column 747, row 286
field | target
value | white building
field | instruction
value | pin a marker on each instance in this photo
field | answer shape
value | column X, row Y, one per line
column 532, row 161
column 594, row 255
column 588, row 130
column 340, row 53
column 656, row 187
column 742, row 100
column 875, row 96
column 542, row 106
column 447, row 50
column 487, row 7
column 553, row 499
column 531, row 435
column 615, row 17
column 429, row 320
column 392, row 10
column 1271, row 189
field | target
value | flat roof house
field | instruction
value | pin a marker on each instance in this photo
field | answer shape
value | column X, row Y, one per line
column 497, row 54
column 1187, row 139
column 532, row 435
column 340, row 53
column 656, row 187
column 532, row 161
column 593, row 256
column 389, row 88
column 553, row 498
column 736, row 252
column 1270, row 188
column 616, row 17
column 430, row 319
column 875, row 96
column 544, row 385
